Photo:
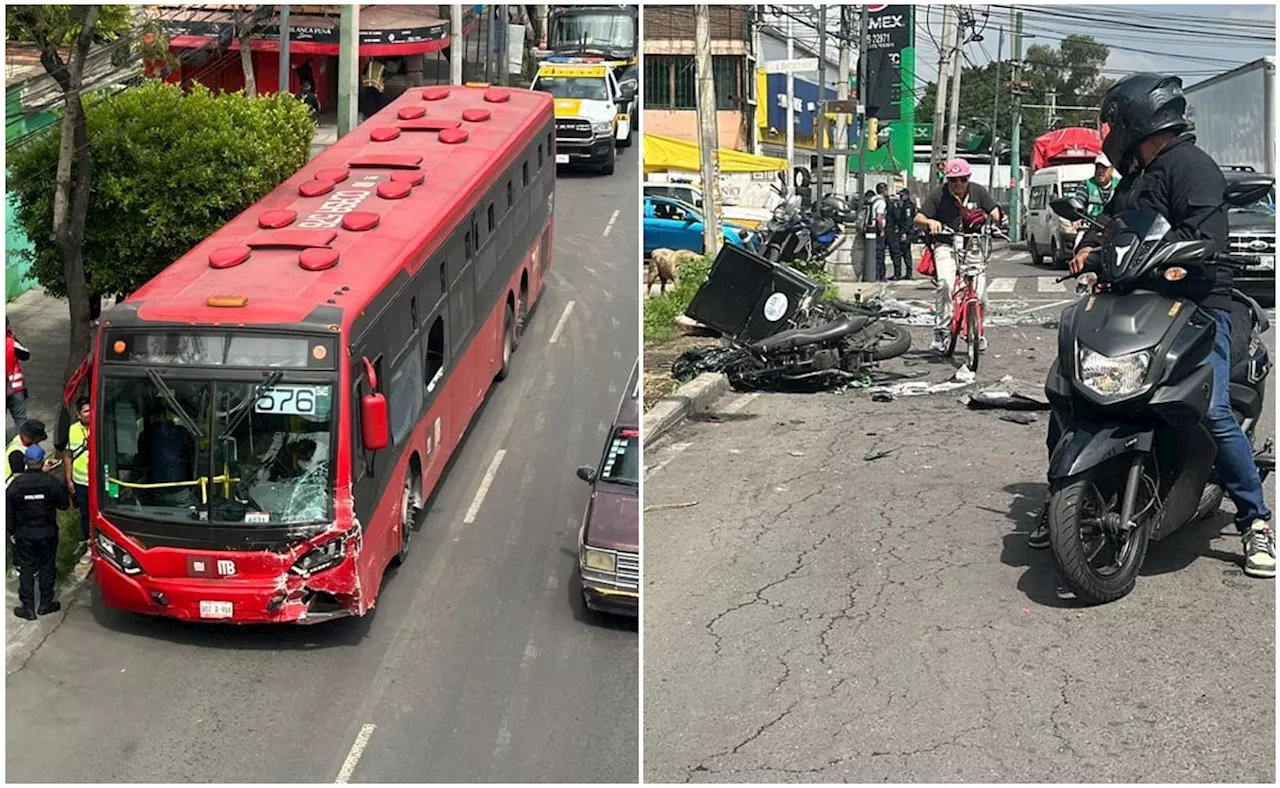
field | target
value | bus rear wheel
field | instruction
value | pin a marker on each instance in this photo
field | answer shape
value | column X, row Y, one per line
column 508, row 342
column 410, row 505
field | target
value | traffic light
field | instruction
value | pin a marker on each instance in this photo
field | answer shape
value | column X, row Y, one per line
column 873, row 133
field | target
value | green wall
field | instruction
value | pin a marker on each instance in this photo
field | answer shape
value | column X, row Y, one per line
column 16, row 275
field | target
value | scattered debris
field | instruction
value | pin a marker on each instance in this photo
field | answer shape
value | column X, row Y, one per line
column 965, row 375
column 660, row 506
column 913, row 388
column 796, row 453
column 882, row 396
column 1005, row 400
column 872, row 456
column 1020, row 417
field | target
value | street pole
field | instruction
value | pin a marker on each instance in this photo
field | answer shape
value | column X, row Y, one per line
column 1015, row 153
column 868, row 238
column 501, row 46
column 1051, row 110
column 939, row 98
column 953, row 127
column 708, row 135
column 995, row 116
column 284, row 49
column 842, row 122
column 348, row 68
column 456, row 55
column 791, row 103
column 820, row 118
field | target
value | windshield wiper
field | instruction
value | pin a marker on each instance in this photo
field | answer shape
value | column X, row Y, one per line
column 243, row 413
column 172, row 399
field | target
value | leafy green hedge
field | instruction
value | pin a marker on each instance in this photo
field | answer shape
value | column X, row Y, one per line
column 169, row 168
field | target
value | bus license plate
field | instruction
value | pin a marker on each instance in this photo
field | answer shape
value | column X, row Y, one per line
column 1267, row 262
column 215, row 609
column 562, row 158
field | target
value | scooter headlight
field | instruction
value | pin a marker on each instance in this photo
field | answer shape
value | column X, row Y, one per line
column 1113, row 376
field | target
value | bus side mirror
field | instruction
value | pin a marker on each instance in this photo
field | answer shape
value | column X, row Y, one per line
column 375, row 424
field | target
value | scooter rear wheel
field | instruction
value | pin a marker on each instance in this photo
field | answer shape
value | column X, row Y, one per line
column 1077, row 537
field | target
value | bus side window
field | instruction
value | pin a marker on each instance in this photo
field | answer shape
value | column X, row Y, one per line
column 413, row 312
column 435, row 353
column 491, row 222
column 524, row 169
column 444, row 282
column 469, row 246
column 511, row 199
column 539, row 155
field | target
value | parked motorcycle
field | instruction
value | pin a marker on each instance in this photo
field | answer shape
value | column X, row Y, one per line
column 804, row 236
column 779, row 331
column 1131, row 388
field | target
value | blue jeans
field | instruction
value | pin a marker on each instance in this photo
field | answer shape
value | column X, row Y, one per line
column 1234, row 461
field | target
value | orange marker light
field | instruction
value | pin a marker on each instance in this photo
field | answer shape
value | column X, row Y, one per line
column 1175, row 274
column 119, row 347
column 227, row 301
column 319, row 352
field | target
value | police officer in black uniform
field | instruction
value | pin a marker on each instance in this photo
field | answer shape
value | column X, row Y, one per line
column 32, row 502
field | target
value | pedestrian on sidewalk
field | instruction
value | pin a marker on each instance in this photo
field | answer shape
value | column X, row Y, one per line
column 901, row 214
column 32, row 503
column 31, row 433
column 16, row 387
column 76, row 463
column 880, row 223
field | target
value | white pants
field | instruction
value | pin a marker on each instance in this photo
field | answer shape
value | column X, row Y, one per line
column 944, row 260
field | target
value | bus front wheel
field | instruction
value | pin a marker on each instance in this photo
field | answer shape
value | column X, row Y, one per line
column 508, row 342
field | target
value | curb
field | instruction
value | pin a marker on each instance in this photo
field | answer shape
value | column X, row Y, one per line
column 692, row 397
column 22, row 638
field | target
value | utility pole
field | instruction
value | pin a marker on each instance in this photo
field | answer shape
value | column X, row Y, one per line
column 1051, row 110
column 868, row 239
column 348, row 68
column 995, row 116
column 456, row 55
column 791, row 103
column 842, row 93
column 1015, row 153
column 708, row 135
column 757, row 51
column 284, row 49
column 820, row 118
column 939, row 98
column 953, row 126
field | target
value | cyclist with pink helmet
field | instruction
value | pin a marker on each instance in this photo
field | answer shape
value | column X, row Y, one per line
column 943, row 211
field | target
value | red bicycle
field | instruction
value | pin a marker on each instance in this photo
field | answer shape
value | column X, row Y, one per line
column 967, row 300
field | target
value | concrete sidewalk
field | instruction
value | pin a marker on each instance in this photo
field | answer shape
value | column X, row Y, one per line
column 43, row 324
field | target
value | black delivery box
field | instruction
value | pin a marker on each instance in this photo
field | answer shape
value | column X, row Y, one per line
column 748, row 298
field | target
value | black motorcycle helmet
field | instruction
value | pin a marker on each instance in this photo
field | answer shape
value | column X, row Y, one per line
column 1137, row 107
column 837, row 207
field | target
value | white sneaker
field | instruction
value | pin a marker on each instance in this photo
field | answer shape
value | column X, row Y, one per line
column 1260, row 550
column 982, row 343
column 939, row 344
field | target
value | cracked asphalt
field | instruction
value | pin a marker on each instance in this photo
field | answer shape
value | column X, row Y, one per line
column 814, row 616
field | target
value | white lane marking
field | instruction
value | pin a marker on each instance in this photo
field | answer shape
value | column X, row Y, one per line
column 564, row 318
column 608, row 227
column 357, row 749
column 740, row 403
column 1004, row 284
column 485, row 483
column 1049, row 284
column 675, row 449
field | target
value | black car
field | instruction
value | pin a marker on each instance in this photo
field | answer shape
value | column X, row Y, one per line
column 1253, row 237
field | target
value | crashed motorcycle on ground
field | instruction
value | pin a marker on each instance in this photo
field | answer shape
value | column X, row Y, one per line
column 804, row 236
column 1131, row 387
column 779, row 332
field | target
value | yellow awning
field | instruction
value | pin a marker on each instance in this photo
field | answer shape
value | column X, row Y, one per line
column 668, row 153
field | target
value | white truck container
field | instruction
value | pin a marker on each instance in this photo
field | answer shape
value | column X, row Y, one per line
column 1234, row 115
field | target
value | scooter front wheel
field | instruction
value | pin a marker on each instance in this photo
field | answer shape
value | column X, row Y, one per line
column 1098, row 560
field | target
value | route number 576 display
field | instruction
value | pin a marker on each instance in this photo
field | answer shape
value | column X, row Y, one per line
column 295, row 401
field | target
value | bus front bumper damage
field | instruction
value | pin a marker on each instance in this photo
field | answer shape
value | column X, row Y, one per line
column 289, row 596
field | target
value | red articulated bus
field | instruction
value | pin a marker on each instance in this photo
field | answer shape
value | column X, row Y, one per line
column 271, row 411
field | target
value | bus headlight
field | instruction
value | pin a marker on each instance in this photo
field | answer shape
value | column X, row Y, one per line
column 326, row 556
column 602, row 127
column 599, row 560
column 1113, row 376
column 117, row 556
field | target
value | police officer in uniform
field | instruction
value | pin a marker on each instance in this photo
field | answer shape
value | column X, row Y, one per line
column 32, row 502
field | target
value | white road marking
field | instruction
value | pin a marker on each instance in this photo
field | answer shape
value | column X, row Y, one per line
column 740, row 403
column 357, row 749
column 1049, row 284
column 485, row 483
column 1004, row 284
column 608, row 227
column 564, row 318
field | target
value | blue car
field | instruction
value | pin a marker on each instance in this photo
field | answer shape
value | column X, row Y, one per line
column 671, row 224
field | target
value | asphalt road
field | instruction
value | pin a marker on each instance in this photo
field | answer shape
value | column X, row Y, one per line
column 478, row 664
column 813, row 615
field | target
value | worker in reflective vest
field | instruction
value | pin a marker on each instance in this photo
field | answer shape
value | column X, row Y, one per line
column 15, row 384
column 77, row 466
column 31, row 433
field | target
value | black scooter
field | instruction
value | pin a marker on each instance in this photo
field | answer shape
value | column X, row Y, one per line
column 1131, row 387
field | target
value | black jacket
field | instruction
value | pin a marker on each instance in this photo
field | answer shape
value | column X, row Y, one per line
column 32, row 503
column 1184, row 185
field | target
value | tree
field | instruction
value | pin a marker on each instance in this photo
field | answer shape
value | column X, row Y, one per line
column 61, row 233
column 1073, row 71
column 170, row 168
column 245, row 20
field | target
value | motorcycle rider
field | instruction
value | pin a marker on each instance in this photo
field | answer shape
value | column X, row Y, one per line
column 1165, row 172
column 944, row 208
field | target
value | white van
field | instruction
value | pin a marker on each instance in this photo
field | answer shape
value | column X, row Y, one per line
column 1049, row 235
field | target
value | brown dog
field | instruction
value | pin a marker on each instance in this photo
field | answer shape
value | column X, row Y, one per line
column 664, row 265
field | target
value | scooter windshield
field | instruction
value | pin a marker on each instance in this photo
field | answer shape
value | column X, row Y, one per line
column 1130, row 238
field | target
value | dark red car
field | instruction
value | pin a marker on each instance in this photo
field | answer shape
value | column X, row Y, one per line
column 609, row 541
